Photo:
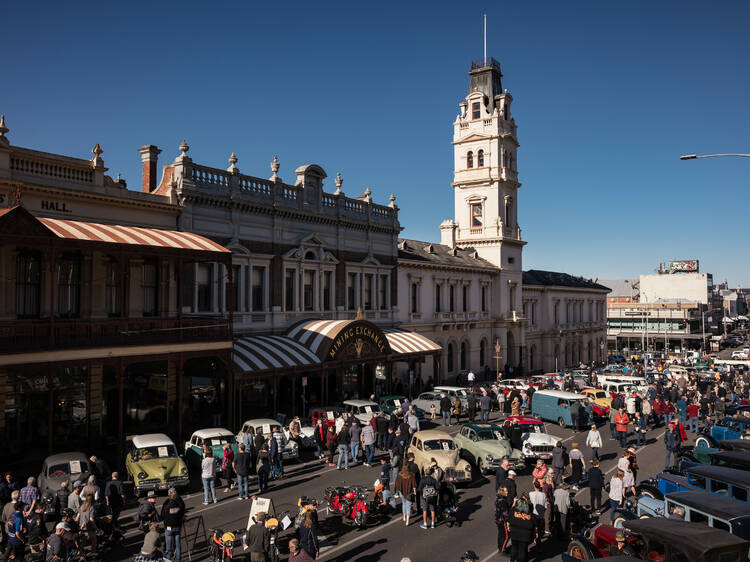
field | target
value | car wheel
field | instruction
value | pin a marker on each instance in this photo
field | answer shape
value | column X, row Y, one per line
column 561, row 422
column 619, row 520
column 702, row 441
column 578, row 550
column 645, row 517
column 649, row 494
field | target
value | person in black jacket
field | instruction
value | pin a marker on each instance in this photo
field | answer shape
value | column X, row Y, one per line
column 258, row 539
column 381, row 426
column 501, row 473
column 515, row 435
column 471, row 405
column 446, row 409
column 173, row 513
column 414, row 469
column 343, row 439
column 502, row 519
column 521, row 529
column 319, row 436
column 596, row 483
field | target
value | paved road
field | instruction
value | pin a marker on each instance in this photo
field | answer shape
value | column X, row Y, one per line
column 388, row 539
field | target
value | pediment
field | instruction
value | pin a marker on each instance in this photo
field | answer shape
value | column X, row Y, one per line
column 475, row 137
column 311, row 240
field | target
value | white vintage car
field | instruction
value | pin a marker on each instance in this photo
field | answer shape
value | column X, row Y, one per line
column 291, row 450
column 307, row 433
column 536, row 443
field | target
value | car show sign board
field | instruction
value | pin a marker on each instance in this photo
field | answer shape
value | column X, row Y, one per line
column 260, row 505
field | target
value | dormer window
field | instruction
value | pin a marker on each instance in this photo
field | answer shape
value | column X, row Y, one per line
column 470, row 160
column 475, row 110
column 480, row 158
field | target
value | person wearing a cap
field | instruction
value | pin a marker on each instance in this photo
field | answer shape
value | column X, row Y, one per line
column 147, row 511
column 469, row 556
column 173, row 513
column 621, row 548
column 55, row 547
column 74, row 499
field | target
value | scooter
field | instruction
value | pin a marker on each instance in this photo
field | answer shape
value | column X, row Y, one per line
column 348, row 502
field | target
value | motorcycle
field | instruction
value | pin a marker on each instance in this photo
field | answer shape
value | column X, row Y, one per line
column 348, row 502
column 224, row 544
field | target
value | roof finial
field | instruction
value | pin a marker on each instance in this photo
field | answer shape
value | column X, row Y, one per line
column 275, row 168
column 97, row 160
column 339, row 182
column 392, row 200
column 184, row 147
column 367, row 195
column 3, row 129
column 232, row 162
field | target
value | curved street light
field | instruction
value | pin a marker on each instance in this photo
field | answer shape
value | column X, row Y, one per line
column 695, row 156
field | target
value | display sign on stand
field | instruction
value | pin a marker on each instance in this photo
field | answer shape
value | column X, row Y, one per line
column 260, row 505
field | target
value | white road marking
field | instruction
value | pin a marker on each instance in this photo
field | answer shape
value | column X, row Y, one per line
column 491, row 556
column 357, row 539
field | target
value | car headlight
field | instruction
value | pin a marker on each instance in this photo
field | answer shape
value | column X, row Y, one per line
column 142, row 475
column 468, row 468
column 527, row 446
column 184, row 471
column 489, row 458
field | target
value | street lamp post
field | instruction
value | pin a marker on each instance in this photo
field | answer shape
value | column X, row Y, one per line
column 696, row 156
column 497, row 358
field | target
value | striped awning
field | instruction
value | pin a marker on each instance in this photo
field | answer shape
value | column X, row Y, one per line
column 113, row 234
column 261, row 353
column 404, row 342
column 314, row 333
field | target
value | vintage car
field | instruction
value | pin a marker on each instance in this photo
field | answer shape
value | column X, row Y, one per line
column 327, row 413
column 62, row 467
column 291, row 449
column 699, row 507
column 703, row 454
column 719, row 457
column 485, row 446
column 730, row 428
column 663, row 540
column 454, row 392
column 388, row 404
column 212, row 437
column 426, row 399
column 599, row 396
column 536, row 443
column 363, row 410
column 559, row 406
column 153, row 463
column 431, row 443
column 718, row 480
column 507, row 385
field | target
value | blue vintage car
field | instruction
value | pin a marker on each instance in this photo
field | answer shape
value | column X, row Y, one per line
column 717, row 480
column 702, row 454
column 730, row 428
column 700, row 507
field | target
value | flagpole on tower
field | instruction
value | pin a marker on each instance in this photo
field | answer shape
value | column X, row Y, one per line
column 485, row 39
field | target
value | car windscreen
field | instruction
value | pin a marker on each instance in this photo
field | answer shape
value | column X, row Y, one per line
column 439, row 445
column 462, row 393
column 531, row 427
column 489, row 435
column 219, row 440
column 68, row 467
column 156, row 452
column 369, row 409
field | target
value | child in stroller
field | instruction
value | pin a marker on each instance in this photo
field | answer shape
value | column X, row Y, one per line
column 448, row 503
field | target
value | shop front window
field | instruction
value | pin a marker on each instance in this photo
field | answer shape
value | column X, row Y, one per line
column 146, row 398
column 71, row 407
column 206, row 380
column 26, row 413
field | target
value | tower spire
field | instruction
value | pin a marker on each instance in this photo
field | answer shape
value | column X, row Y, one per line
column 485, row 39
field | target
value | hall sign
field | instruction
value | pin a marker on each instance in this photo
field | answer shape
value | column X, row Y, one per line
column 359, row 341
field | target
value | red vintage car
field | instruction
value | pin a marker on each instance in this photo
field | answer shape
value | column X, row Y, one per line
column 599, row 543
column 328, row 414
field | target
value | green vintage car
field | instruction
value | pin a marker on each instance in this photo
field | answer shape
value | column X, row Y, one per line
column 390, row 403
column 152, row 462
column 484, row 445
column 213, row 437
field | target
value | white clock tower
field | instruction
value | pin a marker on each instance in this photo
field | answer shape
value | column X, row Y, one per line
column 485, row 186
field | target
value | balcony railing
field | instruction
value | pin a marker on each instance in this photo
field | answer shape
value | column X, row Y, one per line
column 23, row 336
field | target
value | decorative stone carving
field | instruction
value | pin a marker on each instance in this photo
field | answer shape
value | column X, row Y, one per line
column 275, row 168
column 97, row 161
column 3, row 129
column 232, row 164
column 338, row 182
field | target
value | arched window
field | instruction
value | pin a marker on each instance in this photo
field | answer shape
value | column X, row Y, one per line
column 450, row 357
column 463, row 355
column 480, row 158
column 470, row 159
column 482, row 353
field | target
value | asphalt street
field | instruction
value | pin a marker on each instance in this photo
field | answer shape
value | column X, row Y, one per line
column 387, row 538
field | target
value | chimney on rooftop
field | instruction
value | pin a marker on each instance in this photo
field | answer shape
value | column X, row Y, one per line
column 149, row 158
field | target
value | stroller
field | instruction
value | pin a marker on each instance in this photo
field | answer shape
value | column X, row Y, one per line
column 448, row 503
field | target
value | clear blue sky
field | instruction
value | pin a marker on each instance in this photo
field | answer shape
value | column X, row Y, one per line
column 607, row 96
